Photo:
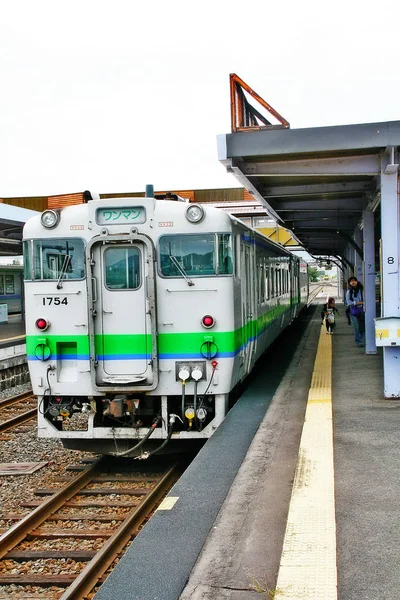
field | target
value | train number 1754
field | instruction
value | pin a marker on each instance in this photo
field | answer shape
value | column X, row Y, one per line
column 54, row 300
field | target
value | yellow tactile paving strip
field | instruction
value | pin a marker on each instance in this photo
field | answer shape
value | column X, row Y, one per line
column 308, row 562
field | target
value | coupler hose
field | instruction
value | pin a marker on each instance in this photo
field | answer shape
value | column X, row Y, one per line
column 142, row 441
column 145, row 455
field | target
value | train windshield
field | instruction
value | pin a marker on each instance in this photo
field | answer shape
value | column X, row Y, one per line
column 191, row 255
column 52, row 259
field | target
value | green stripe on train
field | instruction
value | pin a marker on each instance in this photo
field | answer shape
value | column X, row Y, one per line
column 168, row 343
column 81, row 341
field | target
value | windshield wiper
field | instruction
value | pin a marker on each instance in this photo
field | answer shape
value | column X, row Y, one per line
column 64, row 268
column 180, row 269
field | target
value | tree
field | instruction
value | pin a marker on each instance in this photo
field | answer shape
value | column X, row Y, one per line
column 313, row 273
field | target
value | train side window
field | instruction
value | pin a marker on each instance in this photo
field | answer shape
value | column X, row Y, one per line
column 261, row 278
column 238, row 254
column 225, row 266
column 187, row 255
column 10, row 289
column 1, row 285
column 271, row 280
column 27, row 251
column 122, row 268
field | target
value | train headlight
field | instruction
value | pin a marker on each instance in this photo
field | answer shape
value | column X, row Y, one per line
column 195, row 213
column 50, row 219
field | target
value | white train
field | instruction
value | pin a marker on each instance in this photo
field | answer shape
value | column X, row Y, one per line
column 143, row 315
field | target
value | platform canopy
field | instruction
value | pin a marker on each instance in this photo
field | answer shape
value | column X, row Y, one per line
column 12, row 220
column 317, row 182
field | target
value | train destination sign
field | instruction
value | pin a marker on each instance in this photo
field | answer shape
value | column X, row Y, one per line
column 120, row 215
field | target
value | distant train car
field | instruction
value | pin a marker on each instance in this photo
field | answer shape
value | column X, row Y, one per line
column 11, row 287
column 143, row 315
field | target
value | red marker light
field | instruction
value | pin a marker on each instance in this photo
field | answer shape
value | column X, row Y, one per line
column 207, row 321
column 214, row 364
column 42, row 324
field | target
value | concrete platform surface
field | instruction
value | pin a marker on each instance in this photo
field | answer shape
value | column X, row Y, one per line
column 224, row 541
column 238, row 562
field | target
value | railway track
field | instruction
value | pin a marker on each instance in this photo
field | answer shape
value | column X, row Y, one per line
column 16, row 406
column 65, row 545
column 314, row 291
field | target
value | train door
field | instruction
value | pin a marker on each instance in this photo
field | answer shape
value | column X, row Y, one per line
column 124, row 320
column 248, row 316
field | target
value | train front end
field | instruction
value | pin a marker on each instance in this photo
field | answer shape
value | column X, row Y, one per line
column 130, row 323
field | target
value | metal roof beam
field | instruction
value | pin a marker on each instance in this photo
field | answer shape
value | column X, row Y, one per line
column 341, row 233
column 252, row 190
column 10, row 242
column 300, row 215
column 364, row 165
column 337, row 139
column 318, row 258
column 346, row 205
column 299, row 226
column 318, row 189
column 322, row 218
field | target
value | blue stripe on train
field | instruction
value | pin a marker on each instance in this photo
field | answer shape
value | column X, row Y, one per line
column 124, row 357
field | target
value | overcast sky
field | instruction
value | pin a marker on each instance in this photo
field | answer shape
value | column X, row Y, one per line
column 110, row 96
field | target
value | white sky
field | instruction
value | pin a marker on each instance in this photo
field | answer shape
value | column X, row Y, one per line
column 110, row 96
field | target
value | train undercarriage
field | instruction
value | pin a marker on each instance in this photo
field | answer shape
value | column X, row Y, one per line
column 130, row 425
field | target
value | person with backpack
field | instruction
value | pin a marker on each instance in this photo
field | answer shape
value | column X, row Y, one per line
column 328, row 315
column 355, row 303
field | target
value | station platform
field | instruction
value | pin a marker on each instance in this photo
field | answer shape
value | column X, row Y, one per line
column 295, row 496
column 13, row 362
column 13, row 331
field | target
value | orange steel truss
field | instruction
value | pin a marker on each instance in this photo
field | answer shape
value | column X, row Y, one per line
column 244, row 117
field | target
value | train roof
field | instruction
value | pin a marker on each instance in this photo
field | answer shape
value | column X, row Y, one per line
column 164, row 213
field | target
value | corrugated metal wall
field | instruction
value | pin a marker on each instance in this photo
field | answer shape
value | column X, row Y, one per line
column 184, row 193
column 40, row 203
column 64, row 200
column 219, row 195
column 206, row 195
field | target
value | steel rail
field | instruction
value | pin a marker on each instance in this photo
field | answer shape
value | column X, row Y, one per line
column 20, row 530
column 15, row 399
column 22, row 418
column 315, row 294
column 91, row 574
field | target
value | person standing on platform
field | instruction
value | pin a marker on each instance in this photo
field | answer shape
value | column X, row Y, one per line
column 355, row 302
column 328, row 315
